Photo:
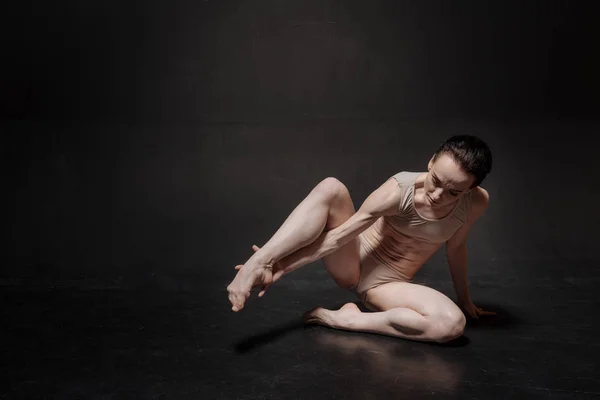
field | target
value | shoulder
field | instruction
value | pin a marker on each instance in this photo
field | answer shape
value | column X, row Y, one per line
column 384, row 200
column 480, row 196
column 480, row 200
column 405, row 176
column 406, row 179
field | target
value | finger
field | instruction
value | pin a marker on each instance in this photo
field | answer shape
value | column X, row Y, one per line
column 488, row 312
column 238, row 267
column 255, row 247
column 263, row 290
column 481, row 311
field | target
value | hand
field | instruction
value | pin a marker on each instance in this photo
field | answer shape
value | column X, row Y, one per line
column 472, row 310
column 277, row 273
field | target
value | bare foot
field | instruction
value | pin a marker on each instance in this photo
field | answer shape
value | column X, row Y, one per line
column 334, row 319
column 251, row 274
column 259, row 278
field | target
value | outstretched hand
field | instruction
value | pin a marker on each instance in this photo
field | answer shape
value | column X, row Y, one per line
column 472, row 310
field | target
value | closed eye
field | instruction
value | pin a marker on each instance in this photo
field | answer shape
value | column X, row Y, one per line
column 436, row 182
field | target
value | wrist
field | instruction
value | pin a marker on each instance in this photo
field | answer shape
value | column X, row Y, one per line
column 262, row 257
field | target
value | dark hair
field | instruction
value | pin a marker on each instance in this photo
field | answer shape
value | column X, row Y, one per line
column 471, row 153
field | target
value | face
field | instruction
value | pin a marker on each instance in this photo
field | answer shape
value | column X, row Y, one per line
column 446, row 181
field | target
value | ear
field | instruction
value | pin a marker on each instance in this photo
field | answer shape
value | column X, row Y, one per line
column 430, row 164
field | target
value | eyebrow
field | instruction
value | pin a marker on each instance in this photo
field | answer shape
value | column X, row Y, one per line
column 438, row 179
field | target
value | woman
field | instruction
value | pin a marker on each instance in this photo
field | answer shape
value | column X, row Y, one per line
column 377, row 250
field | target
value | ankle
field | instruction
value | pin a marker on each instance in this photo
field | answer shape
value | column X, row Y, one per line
column 342, row 319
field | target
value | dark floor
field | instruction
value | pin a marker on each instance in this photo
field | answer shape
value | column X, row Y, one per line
column 154, row 344
column 138, row 309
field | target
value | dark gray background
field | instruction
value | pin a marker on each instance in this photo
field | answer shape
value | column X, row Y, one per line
column 147, row 145
column 238, row 61
column 151, row 143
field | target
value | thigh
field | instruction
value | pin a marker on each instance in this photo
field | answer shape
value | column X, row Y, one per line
column 344, row 264
column 422, row 299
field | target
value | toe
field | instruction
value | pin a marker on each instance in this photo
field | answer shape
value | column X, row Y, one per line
column 238, row 299
column 311, row 314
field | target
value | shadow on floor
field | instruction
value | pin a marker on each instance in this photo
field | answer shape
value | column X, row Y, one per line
column 503, row 319
column 267, row 337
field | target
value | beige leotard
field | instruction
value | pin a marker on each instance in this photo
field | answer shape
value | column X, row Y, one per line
column 395, row 247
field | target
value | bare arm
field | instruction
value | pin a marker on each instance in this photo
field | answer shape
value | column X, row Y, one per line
column 385, row 200
column 456, row 247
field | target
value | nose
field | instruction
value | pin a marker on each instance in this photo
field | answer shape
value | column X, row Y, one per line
column 437, row 194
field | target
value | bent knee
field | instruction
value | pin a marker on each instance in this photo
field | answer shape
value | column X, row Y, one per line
column 448, row 326
column 332, row 187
